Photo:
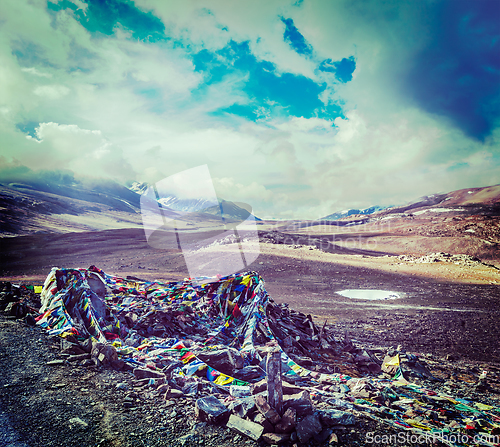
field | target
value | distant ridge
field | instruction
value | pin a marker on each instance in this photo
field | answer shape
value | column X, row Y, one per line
column 468, row 200
column 342, row 214
column 224, row 208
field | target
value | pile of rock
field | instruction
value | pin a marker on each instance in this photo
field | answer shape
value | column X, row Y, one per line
column 460, row 259
column 273, row 410
column 253, row 417
column 12, row 300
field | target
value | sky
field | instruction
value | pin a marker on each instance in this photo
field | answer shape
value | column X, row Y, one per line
column 299, row 108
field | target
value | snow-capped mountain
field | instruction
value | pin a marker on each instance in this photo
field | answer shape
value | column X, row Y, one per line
column 187, row 205
column 340, row 214
column 138, row 187
column 220, row 207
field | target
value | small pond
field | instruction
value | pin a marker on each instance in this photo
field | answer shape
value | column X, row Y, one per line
column 368, row 294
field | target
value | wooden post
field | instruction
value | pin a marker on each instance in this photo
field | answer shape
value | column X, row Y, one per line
column 322, row 330
column 274, row 386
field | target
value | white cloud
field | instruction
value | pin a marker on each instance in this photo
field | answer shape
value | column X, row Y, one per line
column 86, row 152
column 136, row 109
column 34, row 71
column 231, row 189
column 51, row 91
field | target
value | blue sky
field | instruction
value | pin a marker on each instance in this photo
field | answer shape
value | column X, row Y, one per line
column 298, row 108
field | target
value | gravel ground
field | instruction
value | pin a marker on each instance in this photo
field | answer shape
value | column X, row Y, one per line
column 66, row 405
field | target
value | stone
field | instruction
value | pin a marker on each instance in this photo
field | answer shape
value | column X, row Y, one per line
column 242, row 406
column 390, row 364
column 118, row 365
column 104, row 353
column 249, row 373
column 88, row 362
column 323, row 435
column 212, row 410
column 333, row 439
column 259, row 386
column 191, row 389
column 259, row 418
column 373, row 368
column 98, row 286
column 363, row 358
column 175, row 393
column 244, row 427
column 77, row 422
column 288, row 421
column 275, row 438
column 308, row 427
column 337, row 417
column 146, row 373
column 288, row 388
column 223, row 360
column 71, row 348
column 30, row 320
column 263, row 406
column 165, row 388
column 55, row 362
column 86, row 345
column 361, row 389
column 16, row 310
column 288, row 342
column 301, row 402
column 239, row 391
column 78, row 357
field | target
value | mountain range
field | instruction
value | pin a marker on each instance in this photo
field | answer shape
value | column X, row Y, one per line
column 463, row 221
column 484, row 200
column 346, row 213
column 61, row 203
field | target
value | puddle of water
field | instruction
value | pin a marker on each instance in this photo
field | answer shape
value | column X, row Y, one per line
column 367, row 294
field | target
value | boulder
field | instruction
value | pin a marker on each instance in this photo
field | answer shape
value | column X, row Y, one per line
column 288, row 421
column 104, row 353
column 212, row 410
column 301, row 402
column 263, row 406
column 308, row 427
column 242, row 406
column 249, row 373
column 244, row 427
column 146, row 373
column 275, row 438
column 337, row 417
column 224, row 360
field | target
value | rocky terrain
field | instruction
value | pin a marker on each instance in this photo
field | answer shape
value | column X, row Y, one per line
column 443, row 264
column 50, row 396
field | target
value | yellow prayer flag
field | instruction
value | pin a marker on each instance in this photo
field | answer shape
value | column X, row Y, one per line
column 223, row 380
column 394, row 361
column 483, row 407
